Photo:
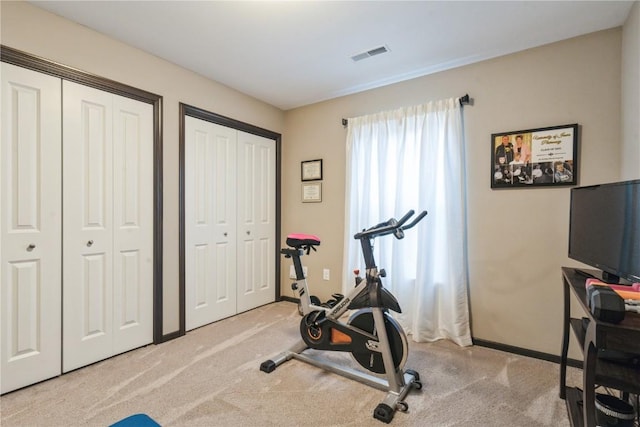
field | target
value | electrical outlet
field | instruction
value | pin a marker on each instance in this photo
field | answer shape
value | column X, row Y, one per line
column 325, row 274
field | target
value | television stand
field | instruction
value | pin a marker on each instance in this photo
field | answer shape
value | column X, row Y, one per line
column 597, row 336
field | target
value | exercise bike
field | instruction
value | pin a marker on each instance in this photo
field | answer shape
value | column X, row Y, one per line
column 374, row 339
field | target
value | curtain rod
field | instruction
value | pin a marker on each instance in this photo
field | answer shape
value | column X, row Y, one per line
column 464, row 100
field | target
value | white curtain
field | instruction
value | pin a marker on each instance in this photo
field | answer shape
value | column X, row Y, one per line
column 413, row 158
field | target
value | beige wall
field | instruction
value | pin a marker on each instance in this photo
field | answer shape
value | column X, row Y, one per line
column 517, row 238
column 514, row 276
column 41, row 33
column 631, row 95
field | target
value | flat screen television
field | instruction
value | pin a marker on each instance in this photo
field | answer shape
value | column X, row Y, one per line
column 604, row 229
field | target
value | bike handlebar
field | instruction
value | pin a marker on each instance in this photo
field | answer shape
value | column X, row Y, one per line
column 392, row 226
column 415, row 221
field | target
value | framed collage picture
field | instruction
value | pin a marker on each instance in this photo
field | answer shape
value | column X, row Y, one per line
column 535, row 157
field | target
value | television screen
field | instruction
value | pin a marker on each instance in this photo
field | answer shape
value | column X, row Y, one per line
column 604, row 228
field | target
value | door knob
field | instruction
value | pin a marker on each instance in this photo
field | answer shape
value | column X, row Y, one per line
column 225, row 234
column 248, row 232
column 89, row 243
column 31, row 247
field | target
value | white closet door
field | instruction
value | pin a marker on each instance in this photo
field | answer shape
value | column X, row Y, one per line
column 210, row 222
column 87, row 225
column 256, row 221
column 30, row 216
column 132, row 224
column 108, row 225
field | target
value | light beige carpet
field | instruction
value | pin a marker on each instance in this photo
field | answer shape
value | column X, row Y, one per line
column 211, row 377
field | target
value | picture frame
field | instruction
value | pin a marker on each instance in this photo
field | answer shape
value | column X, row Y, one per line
column 312, row 192
column 311, row 170
column 541, row 157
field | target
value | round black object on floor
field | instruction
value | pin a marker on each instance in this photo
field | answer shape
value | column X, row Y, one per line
column 613, row 412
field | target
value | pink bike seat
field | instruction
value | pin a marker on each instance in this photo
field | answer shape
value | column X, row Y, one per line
column 296, row 240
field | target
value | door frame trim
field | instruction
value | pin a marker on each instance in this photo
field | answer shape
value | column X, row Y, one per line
column 198, row 113
column 42, row 65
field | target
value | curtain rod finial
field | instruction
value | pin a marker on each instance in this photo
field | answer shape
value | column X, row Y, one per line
column 465, row 100
column 345, row 122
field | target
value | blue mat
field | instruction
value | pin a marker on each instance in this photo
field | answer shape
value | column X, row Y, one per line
column 137, row 420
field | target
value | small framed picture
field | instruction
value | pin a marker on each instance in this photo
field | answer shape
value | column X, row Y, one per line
column 311, row 170
column 312, row 192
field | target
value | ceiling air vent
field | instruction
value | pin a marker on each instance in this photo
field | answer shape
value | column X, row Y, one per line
column 369, row 53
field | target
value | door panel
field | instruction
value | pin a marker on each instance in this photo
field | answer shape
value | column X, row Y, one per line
column 94, row 290
column 132, row 224
column 88, row 225
column 201, row 278
column 225, row 268
column 210, row 223
column 30, row 230
column 256, row 210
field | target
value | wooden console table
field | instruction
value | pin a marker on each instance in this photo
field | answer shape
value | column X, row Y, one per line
column 624, row 336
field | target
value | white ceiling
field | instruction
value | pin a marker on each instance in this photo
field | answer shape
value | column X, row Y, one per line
column 295, row 53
